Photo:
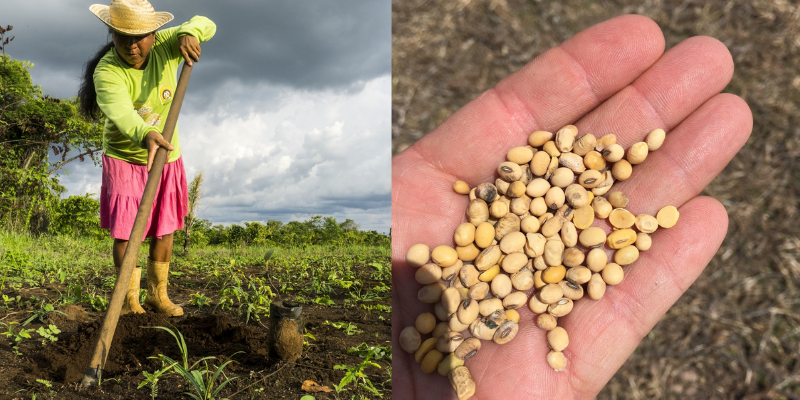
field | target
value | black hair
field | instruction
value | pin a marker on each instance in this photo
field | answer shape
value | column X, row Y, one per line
column 87, row 97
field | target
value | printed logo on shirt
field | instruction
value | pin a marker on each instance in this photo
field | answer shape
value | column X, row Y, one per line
column 143, row 109
column 153, row 120
column 165, row 94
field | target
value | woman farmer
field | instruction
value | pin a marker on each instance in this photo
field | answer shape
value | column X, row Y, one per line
column 131, row 80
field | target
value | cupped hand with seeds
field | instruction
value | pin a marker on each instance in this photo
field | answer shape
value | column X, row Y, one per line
column 614, row 77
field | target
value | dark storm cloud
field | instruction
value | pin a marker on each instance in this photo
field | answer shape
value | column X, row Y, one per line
column 304, row 44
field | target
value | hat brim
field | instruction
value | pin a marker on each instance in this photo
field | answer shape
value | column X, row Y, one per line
column 102, row 12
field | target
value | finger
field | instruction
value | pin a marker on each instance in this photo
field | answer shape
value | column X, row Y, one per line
column 553, row 90
column 683, row 79
column 186, row 57
column 164, row 143
column 150, row 156
column 691, row 156
column 604, row 333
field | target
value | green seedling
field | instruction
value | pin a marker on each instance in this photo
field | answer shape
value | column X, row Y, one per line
column 16, row 337
column 48, row 333
column 364, row 350
column 199, row 300
column 348, row 328
column 356, row 374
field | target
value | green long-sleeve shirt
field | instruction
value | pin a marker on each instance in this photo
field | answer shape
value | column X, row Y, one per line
column 137, row 101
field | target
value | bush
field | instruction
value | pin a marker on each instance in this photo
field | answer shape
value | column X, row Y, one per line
column 77, row 216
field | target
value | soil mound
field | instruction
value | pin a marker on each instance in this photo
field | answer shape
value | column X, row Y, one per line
column 216, row 335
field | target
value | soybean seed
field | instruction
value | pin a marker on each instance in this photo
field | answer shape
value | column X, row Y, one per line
column 540, row 163
column 506, row 332
column 584, row 144
column 551, row 149
column 432, row 293
column 621, row 218
column 596, row 287
column 626, row 255
column 621, row 238
column 439, row 311
column 461, row 187
column 612, row 274
column 538, row 138
column 546, row 322
column 520, row 205
column 569, row 235
column 448, row 364
column 646, row 223
column 509, row 171
column 467, row 349
column 454, row 325
column 614, row 153
column 428, row 273
column 468, row 252
column 572, row 290
column 425, row 323
column 468, row 311
column 554, row 274
column 592, row 237
column 583, row 217
column 573, row 257
column 440, row 329
column 561, row 308
column 488, row 306
column 520, row 155
column 529, row 224
column 643, row 241
column 618, row 199
column 536, row 305
column 501, row 285
column 554, row 198
column 501, row 185
column 637, row 153
column 508, row 224
column 667, row 217
column 512, row 242
column 576, row 196
column 462, row 383
column 655, row 139
column 512, row 315
column 621, row 170
column 451, row 272
column 579, row 275
column 522, row 280
column 550, row 294
column 464, row 234
column 565, row 138
column 514, row 262
column 448, row 342
column 553, row 252
column 489, row 274
column 602, row 208
column 590, row 178
column 538, row 206
column 572, row 161
column 605, row 141
column 426, row 346
column 594, row 161
column 431, row 361
column 596, row 259
column 557, row 360
column 409, row 339
column 478, row 291
column 418, row 255
column 557, row 339
column 562, row 177
column 488, row 257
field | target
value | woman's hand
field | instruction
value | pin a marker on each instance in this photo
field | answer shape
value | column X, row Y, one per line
column 154, row 140
column 190, row 48
column 615, row 78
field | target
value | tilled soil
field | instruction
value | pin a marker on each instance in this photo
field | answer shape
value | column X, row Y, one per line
column 219, row 335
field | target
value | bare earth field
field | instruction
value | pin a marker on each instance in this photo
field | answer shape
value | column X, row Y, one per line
column 735, row 334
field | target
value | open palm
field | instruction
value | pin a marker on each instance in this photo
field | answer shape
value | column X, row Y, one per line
column 615, row 78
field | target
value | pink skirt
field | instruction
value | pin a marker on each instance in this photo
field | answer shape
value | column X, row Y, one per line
column 121, row 194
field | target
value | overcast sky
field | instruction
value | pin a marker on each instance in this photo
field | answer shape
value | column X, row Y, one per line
column 287, row 112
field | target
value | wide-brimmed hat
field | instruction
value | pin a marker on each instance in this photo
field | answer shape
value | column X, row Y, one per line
column 131, row 17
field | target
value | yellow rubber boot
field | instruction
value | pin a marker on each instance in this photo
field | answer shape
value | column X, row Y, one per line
column 131, row 303
column 157, row 274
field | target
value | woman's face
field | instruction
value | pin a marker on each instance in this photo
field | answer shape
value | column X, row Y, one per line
column 133, row 49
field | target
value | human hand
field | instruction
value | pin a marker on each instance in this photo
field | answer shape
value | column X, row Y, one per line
column 154, row 140
column 190, row 48
column 615, row 78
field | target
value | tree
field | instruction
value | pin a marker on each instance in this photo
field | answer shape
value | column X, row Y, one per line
column 195, row 194
column 31, row 125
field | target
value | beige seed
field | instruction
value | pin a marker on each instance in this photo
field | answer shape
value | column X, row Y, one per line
column 612, row 274
column 535, row 244
column 513, row 315
column 498, row 209
column 557, row 360
column 626, row 255
column 646, row 223
column 554, row 198
column 467, row 311
column 501, row 185
column 621, row 218
column 614, row 153
column 501, row 285
column 546, row 322
column 478, row 291
column 621, row 170
column 655, row 139
column 667, row 217
column 444, row 256
column 529, row 224
column 508, row 224
column 520, row 155
column 537, row 187
column 590, row 178
column 557, row 339
column 565, row 138
column 489, row 306
column 596, row 287
column 512, row 242
column 467, row 349
column 468, row 275
column 468, row 252
column 550, row 293
column 424, row 348
column 637, row 153
column 536, row 306
column 410, row 339
column 486, row 192
column 551, row 168
column 472, row 195
column 621, row 238
column 573, row 257
column 514, row 300
column 569, row 235
column 432, row 293
column 538, row 283
column 554, row 274
column 576, row 196
column 448, row 364
column 605, row 185
column 464, row 234
column 418, row 255
column 594, row 161
column 605, row 141
column 584, row 144
column 572, row 161
column 540, row 163
column 454, row 325
column 618, row 199
column 643, row 241
column 451, row 272
column 431, row 361
column 509, row 171
column 538, row 207
column 506, row 332
column 552, row 226
column 477, row 212
column 551, row 149
column 520, row 205
column 562, row 177
column 562, row 307
column 592, row 237
column 481, row 329
column 439, row 311
column 451, row 298
column 553, row 252
column 602, row 208
column 462, row 382
column 514, row 262
column 522, row 280
column 428, row 273
column 440, row 330
column 461, row 187
column 489, row 274
column 448, row 342
column 579, row 275
column 538, row 138
column 583, row 217
column 527, row 176
column 596, row 260
column 425, row 323
column 572, row 290
column 516, row 189
column 487, row 258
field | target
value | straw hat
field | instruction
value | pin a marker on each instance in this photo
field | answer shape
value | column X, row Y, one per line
column 131, row 17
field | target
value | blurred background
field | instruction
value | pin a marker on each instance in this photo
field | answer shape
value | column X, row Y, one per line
column 736, row 332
